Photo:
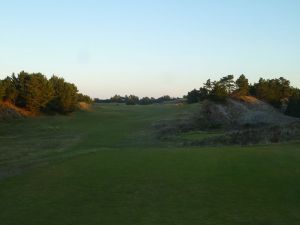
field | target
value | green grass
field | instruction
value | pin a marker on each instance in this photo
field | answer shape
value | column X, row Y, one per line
column 106, row 167
column 199, row 135
column 108, row 126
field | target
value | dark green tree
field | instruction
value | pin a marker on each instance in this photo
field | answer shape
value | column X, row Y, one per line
column 117, row 99
column 35, row 91
column 273, row 91
column 219, row 92
column 65, row 96
column 84, row 98
column 203, row 94
column 2, row 90
column 208, row 86
column 131, row 100
column 242, row 86
column 193, row 96
column 10, row 89
column 145, row 101
column 293, row 108
column 285, row 88
column 163, row 99
column 228, row 83
column 261, row 89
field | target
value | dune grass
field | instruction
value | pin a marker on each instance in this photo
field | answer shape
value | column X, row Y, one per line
column 106, row 167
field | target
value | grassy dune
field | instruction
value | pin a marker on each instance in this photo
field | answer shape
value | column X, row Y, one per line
column 106, row 167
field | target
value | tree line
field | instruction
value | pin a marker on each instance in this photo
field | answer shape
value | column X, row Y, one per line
column 135, row 100
column 37, row 94
column 277, row 92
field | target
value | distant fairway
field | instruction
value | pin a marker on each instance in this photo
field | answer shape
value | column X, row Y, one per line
column 107, row 167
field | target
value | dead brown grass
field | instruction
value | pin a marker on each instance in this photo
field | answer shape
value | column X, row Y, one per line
column 248, row 99
column 84, row 106
column 10, row 111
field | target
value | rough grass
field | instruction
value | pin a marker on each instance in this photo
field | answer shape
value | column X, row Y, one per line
column 199, row 135
column 126, row 177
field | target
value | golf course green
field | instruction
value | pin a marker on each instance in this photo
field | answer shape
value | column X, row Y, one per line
column 107, row 167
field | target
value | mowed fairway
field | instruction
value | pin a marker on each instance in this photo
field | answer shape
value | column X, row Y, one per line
column 106, row 167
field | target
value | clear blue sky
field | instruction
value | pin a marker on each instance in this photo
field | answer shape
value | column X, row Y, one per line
column 150, row 48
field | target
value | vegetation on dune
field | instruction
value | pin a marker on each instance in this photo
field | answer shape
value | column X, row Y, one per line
column 293, row 108
column 35, row 93
column 246, row 121
column 276, row 92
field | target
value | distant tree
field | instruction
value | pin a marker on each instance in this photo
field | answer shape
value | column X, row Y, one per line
column 145, row 101
column 242, row 86
column 117, row 99
column 98, row 100
column 84, row 98
column 193, row 96
column 153, row 100
column 131, row 100
column 163, row 99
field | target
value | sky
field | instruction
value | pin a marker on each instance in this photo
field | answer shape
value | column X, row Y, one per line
column 150, row 48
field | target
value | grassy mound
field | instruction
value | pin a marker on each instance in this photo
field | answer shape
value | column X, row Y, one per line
column 241, row 121
column 236, row 114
